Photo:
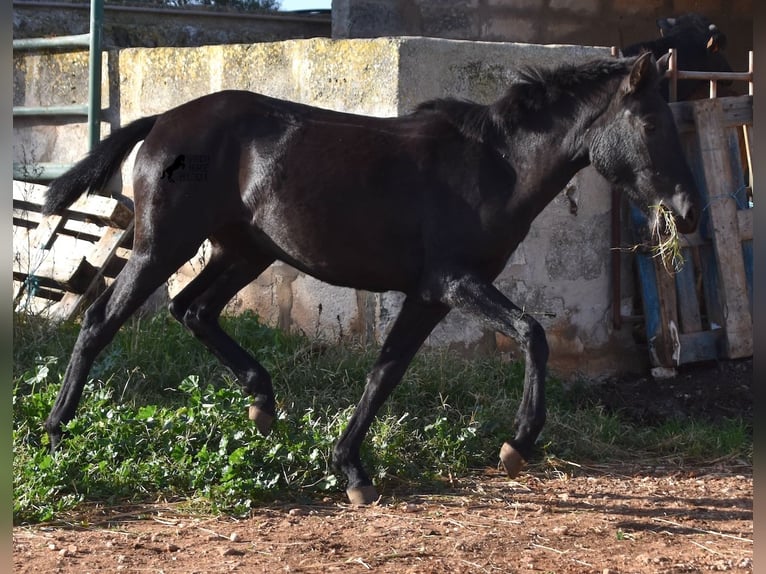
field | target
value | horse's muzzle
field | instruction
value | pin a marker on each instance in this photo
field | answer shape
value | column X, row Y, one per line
column 687, row 223
column 686, row 213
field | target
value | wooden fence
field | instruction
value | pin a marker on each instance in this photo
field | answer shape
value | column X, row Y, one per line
column 704, row 311
column 60, row 263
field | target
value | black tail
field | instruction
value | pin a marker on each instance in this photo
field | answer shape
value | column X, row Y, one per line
column 94, row 171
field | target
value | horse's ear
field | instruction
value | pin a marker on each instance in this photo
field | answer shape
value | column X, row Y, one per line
column 717, row 40
column 666, row 25
column 644, row 73
column 663, row 64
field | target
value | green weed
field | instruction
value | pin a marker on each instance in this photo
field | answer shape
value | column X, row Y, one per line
column 160, row 418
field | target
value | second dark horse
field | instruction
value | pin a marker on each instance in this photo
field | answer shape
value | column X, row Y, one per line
column 431, row 204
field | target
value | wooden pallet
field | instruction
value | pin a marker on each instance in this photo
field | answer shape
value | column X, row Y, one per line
column 61, row 263
column 704, row 311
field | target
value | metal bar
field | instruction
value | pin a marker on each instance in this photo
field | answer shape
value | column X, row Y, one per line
column 276, row 16
column 616, row 265
column 94, row 75
column 717, row 76
column 39, row 172
column 76, row 41
column 672, row 73
column 70, row 110
column 616, row 261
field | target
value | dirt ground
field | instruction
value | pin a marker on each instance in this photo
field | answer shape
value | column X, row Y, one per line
column 594, row 519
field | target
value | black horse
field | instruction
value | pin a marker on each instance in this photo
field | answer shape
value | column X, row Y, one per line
column 431, row 204
column 699, row 45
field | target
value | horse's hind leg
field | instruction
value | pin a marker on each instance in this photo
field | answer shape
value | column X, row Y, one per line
column 140, row 277
column 412, row 326
column 198, row 307
column 497, row 312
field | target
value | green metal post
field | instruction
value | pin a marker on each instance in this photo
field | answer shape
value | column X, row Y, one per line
column 94, row 79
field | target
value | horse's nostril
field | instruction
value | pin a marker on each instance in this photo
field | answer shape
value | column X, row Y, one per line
column 687, row 223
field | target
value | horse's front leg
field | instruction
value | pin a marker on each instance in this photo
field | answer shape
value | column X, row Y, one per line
column 483, row 300
column 413, row 324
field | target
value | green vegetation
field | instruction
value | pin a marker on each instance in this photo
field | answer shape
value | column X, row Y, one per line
column 162, row 419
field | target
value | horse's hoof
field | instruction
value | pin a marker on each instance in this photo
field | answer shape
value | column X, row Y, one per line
column 262, row 419
column 362, row 495
column 511, row 459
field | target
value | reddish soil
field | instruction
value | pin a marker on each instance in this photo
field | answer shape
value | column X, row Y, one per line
column 598, row 519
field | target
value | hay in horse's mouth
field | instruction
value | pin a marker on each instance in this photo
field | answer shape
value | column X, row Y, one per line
column 666, row 242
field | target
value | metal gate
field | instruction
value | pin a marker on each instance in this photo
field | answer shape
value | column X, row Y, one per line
column 41, row 172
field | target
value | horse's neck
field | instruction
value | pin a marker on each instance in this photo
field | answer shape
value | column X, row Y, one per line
column 544, row 165
column 547, row 164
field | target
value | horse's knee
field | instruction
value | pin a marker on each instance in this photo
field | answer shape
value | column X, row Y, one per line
column 194, row 317
column 538, row 342
column 177, row 310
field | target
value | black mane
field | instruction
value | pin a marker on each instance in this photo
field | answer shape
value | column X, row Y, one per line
column 474, row 121
column 534, row 90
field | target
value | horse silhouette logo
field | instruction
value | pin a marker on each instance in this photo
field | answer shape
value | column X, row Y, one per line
column 178, row 163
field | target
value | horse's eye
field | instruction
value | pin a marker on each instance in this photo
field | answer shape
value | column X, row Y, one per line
column 649, row 127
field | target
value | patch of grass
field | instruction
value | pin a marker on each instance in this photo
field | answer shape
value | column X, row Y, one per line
column 160, row 418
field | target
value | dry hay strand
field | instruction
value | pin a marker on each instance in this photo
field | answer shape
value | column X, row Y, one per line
column 664, row 243
column 666, row 246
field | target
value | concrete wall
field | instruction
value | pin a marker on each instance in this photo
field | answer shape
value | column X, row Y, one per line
column 585, row 22
column 560, row 273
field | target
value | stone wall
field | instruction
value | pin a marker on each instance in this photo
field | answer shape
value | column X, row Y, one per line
column 560, row 273
column 586, row 22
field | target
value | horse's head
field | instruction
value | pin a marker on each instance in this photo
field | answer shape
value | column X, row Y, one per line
column 697, row 36
column 700, row 45
column 635, row 145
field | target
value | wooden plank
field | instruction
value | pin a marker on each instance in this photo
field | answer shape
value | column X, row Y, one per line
column 737, row 111
column 738, row 160
column 722, row 210
column 61, row 266
column 688, row 303
column 666, row 287
column 701, row 346
column 72, row 227
column 39, row 240
column 63, row 247
column 651, row 303
column 747, row 254
column 710, row 289
column 43, row 300
column 72, row 274
column 745, row 224
column 50, row 294
column 92, row 208
column 103, row 252
column 748, row 137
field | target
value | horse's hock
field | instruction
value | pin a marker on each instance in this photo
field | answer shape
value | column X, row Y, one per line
column 560, row 273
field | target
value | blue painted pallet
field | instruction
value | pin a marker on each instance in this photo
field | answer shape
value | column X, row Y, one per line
column 684, row 313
